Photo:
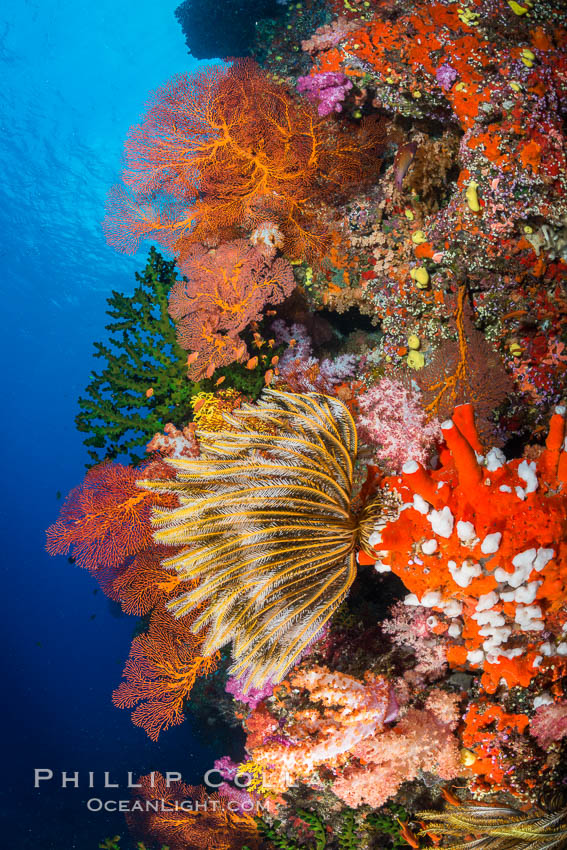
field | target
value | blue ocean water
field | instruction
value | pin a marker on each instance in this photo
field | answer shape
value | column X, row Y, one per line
column 74, row 76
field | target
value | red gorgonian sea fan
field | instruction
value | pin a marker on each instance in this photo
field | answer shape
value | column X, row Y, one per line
column 104, row 520
column 144, row 582
column 204, row 820
column 160, row 672
column 225, row 150
column 224, row 289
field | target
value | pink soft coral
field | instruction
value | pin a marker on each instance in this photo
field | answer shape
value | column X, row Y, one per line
column 300, row 371
column 421, row 740
column 175, row 443
column 549, row 724
column 414, row 627
column 354, row 710
column 224, row 289
column 392, row 419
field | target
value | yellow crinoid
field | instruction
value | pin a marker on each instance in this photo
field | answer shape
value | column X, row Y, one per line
column 267, row 527
column 498, row 828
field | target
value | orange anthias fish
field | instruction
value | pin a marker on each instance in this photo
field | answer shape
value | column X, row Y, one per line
column 450, row 797
column 402, row 161
column 408, row 835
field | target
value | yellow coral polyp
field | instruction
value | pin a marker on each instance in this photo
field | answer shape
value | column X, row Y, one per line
column 421, row 277
column 418, row 237
column 415, row 360
column 471, row 195
column 516, row 8
column 208, row 409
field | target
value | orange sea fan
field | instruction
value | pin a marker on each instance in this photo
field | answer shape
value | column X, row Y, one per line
column 160, row 672
column 223, row 290
column 143, row 584
column 204, row 820
column 225, row 149
column 105, row 520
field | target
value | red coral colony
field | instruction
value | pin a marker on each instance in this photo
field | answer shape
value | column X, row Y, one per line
column 351, row 528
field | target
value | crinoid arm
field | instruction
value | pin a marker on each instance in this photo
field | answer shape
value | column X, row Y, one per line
column 265, row 520
column 498, row 828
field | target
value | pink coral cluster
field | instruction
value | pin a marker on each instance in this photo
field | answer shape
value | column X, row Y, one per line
column 549, row 724
column 415, row 628
column 223, row 290
column 174, row 442
column 302, row 372
column 392, row 418
column 421, row 740
column 344, row 730
column 354, row 710
column 327, row 90
column 328, row 35
column 253, row 696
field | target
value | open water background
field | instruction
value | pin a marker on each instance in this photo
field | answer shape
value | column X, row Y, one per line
column 74, row 77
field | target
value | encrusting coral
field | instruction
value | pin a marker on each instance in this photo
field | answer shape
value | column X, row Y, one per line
column 488, row 538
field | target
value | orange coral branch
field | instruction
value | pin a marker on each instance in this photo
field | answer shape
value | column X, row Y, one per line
column 160, row 673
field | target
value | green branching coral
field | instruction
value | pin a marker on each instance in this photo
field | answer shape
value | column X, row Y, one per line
column 348, row 839
column 386, row 823
column 276, row 836
column 143, row 383
column 347, row 831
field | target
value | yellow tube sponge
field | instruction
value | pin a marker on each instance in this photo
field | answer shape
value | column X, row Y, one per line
column 472, row 196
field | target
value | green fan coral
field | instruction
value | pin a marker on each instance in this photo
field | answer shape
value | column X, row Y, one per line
column 266, row 520
column 499, row 828
column 143, row 384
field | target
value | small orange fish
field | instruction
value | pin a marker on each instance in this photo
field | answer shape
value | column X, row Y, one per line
column 408, row 835
column 268, row 377
column 220, row 380
column 432, row 835
column 192, row 357
column 448, row 795
column 240, row 351
column 275, row 360
column 292, row 343
column 150, row 392
column 198, row 405
column 210, row 370
column 252, row 363
column 270, row 312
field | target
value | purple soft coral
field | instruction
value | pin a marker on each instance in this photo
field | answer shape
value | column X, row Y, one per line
column 328, row 90
column 446, row 76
